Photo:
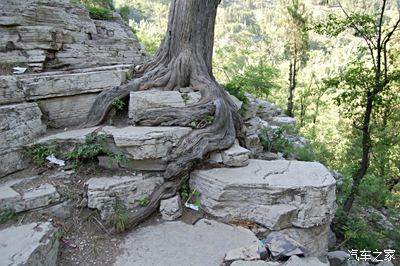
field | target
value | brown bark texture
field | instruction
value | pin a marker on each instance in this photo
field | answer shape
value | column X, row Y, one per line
column 184, row 59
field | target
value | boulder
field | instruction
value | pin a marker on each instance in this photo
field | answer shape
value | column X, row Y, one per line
column 280, row 195
column 282, row 246
column 243, row 253
column 261, row 108
column 105, row 192
column 337, row 258
column 29, row 244
column 177, row 243
column 308, row 261
column 171, row 209
column 235, row 156
column 19, row 125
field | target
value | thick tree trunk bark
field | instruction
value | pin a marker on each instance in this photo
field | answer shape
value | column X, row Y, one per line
column 183, row 59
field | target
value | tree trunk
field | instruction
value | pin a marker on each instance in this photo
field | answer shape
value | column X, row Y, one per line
column 183, row 59
column 365, row 154
column 292, row 86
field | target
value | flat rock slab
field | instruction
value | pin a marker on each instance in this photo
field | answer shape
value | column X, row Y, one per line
column 19, row 196
column 177, row 243
column 278, row 194
column 105, row 192
column 29, row 244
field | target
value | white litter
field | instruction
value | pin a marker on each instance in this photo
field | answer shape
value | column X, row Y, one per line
column 19, row 70
column 53, row 159
column 191, row 206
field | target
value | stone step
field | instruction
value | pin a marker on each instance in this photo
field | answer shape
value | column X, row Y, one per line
column 146, row 148
column 281, row 195
column 29, row 244
column 177, row 243
column 104, row 193
column 26, row 194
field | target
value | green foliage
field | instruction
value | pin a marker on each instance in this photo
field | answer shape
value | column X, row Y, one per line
column 39, row 152
column 124, row 11
column 118, row 104
column 6, row 215
column 279, row 140
column 259, row 80
column 237, row 91
column 359, row 235
column 120, row 218
column 93, row 146
column 99, row 13
column 143, row 202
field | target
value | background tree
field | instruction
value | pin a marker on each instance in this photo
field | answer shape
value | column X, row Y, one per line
column 364, row 82
column 296, row 46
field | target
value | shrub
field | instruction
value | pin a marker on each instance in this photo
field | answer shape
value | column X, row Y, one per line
column 99, row 13
column 93, row 146
column 39, row 152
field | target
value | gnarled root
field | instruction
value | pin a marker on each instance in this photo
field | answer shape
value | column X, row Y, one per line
column 219, row 135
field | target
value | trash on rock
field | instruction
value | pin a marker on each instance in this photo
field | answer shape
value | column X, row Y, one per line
column 281, row 246
column 19, row 70
column 54, row 160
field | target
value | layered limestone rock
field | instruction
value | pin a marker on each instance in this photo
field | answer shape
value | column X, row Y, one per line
column 44, row 34
column 280, row 195
column 104, row 193
column 29, row 244
column 144, row 148
column 20, row 124
column 140, row 101
column 25, row 194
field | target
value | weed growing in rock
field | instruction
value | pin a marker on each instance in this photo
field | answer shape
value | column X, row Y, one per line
column 278, row 140
column 144, row 201
column 39, row 152
column 6, row 215
column 99, row 13
column 120, row 218
column 118, row 104
column 93, row 146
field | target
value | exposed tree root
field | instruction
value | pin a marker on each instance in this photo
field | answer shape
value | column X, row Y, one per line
column 183, row 60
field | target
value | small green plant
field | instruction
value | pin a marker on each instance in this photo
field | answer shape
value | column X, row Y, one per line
column 185, row 97
column 118, row 104
column 236, row 90
column 143, row 202
column 93, row 146
column 39, row 152
column 6, row 215
column 190, row 196
column 120, row 218
column 59, row 234
column 276, row 140
column 99, row 13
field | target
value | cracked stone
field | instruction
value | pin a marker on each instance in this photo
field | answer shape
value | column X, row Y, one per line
column 19, row 200
column 235, row 156
column 171, row 209
column 104, row 192
column 243, row 253
column 279, row 195
column 29, row 244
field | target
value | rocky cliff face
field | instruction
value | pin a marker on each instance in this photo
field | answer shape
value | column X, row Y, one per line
column 55, row 34
column 75, row 58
